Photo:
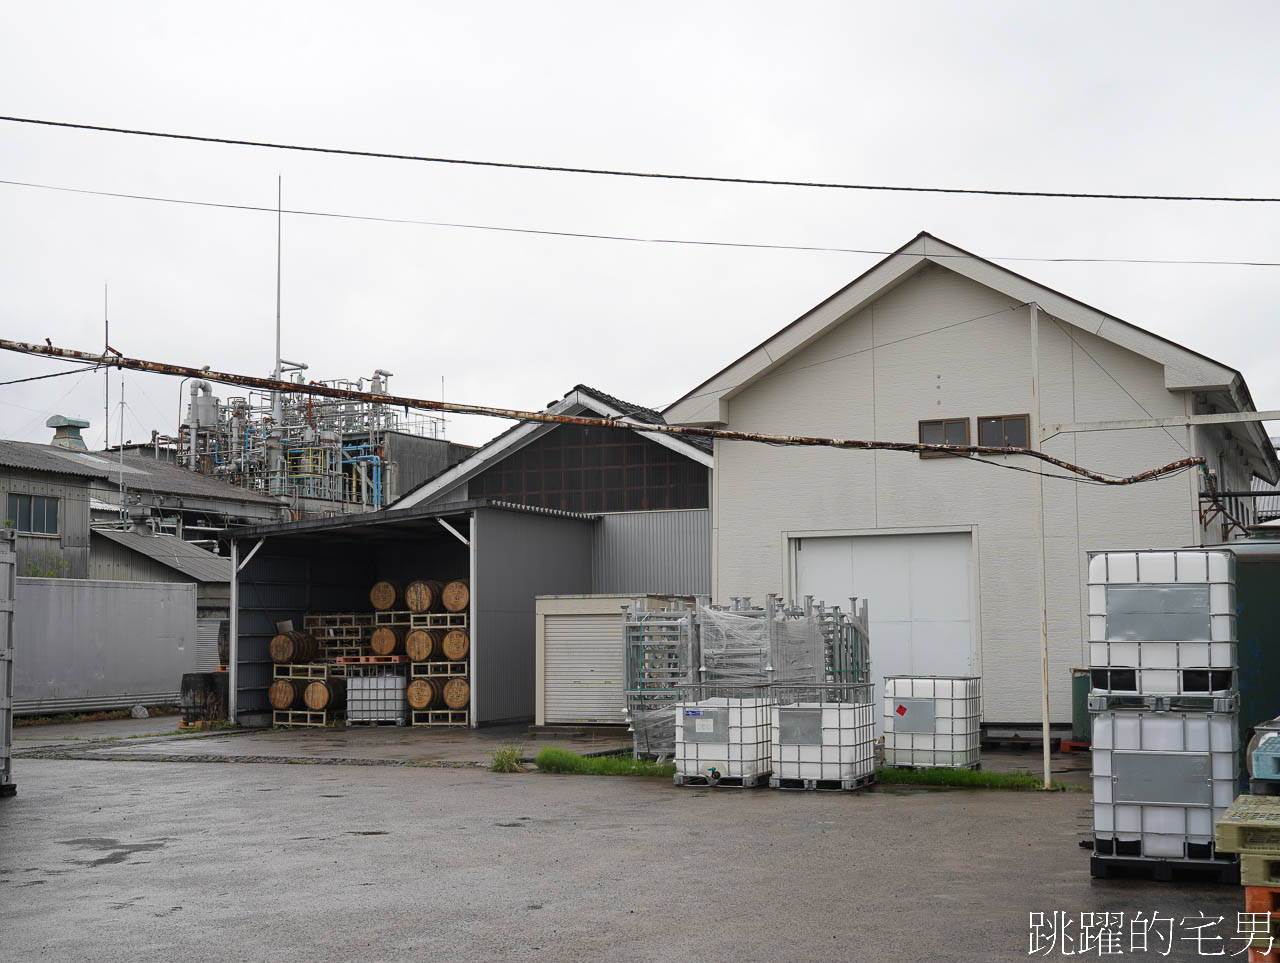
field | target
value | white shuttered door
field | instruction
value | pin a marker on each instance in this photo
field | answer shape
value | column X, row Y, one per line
column 583, row 665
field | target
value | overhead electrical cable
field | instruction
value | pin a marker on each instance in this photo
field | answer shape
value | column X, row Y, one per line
column 515, row 414
column 651, row 175
column 587, row 235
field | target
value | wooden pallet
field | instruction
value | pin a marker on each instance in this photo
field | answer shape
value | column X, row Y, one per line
column 823, row 785
column 303, row 670
column 724, row 782
column 331, row 620
column 372, row 660
column 391, row 618
column 344, row 633
column 1165, row 870
column 331, row 652
column 298, row 719
column 431, row 670
column 438, row 620
column 440, row 717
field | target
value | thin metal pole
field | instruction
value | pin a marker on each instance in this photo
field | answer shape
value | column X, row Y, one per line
column 279, row 228
column 1044, row 595
column 106, row 372
column 233, row 637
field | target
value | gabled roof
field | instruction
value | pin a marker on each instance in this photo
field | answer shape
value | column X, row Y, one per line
column 1184, row 369
column 582, row 400
column 169, row 550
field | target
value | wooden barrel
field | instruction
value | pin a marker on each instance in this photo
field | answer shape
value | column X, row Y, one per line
column 457, row 693
column 456, row 595
column 387, row 640
column 383, row 595
column 293, row 647
column 423, row 644
column 286, row 693
column 456, row 645
column 423, row 595
column 325, row 695
column 425, row 693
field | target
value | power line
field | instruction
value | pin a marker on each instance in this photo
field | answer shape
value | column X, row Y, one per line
column 56, row 374
column 695, row 242
column 651, row 175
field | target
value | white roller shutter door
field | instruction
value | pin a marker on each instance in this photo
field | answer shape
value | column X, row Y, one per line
column 583, row 665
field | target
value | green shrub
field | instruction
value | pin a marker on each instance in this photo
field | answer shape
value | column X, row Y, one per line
column 506, row 758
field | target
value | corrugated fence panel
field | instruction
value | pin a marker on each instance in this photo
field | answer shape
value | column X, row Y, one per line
column 658, row 553
column 583, row 662
column 207, row 644
column 85, row 644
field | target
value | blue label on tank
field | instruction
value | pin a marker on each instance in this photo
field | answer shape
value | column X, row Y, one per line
column 693, row 712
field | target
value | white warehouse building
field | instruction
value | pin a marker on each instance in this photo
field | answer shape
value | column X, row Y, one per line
column 936, row 344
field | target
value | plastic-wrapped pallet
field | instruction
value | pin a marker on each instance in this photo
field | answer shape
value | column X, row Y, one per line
column 932, row 722
column 721, row 736
column 1160, row 779
column 376, row 698
column 823, row 736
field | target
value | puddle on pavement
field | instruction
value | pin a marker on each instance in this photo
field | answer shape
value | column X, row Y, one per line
column 116, row 851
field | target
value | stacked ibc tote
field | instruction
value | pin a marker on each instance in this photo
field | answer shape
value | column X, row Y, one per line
column 1163, row 701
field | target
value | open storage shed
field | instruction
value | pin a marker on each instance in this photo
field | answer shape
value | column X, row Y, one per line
column 509, row 554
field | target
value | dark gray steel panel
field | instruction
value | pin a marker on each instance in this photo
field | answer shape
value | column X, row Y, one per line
column 800, row 727
column 519, row 556
column 1163, row 777
column 913, row 715
column 707, row 724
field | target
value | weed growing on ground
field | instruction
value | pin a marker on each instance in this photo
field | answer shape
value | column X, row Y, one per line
column 562, row 760
column 965, row 778
column 506, row 758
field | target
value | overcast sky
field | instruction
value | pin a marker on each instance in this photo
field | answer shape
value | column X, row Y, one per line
column 1097, row 97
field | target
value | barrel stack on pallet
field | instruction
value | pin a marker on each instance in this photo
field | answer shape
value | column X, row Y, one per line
column 305, row 692
column 417, row 669
column 1164, row 703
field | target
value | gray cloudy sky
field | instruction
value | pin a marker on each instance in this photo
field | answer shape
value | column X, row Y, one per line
column 1100, row 97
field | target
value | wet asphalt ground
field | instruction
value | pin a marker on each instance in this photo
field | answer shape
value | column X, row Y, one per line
column 106, row 860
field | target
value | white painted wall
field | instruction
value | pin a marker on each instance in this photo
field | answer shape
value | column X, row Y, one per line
column 916, row 354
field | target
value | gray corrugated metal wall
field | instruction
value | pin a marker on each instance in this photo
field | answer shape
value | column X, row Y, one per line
column 82, row 644
column 658, row 553
column 518, row 556
column 71, row 546
column 8, row 565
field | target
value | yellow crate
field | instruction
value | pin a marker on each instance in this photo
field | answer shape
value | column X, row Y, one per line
column 1251, row 825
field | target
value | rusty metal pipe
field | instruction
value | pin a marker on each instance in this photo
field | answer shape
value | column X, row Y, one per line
column 516, row 414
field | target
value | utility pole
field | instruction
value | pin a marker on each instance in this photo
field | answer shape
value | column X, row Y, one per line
column 1044, row 594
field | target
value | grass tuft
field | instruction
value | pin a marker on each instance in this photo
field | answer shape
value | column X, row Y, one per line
column 562, row 760
column 506, row 758
column 966, row 778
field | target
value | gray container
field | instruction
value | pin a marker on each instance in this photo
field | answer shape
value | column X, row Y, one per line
column 8, row 584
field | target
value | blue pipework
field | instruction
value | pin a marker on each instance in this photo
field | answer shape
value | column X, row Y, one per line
column 364, row 455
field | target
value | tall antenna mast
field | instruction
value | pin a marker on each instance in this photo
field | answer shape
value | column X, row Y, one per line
column 106, row 373
column 279, row 220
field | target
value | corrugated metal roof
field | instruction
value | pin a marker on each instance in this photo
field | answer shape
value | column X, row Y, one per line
column 177, row 554
column 646, row 415
column 1267, row 507
column 62, row 461
column 140, row 472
